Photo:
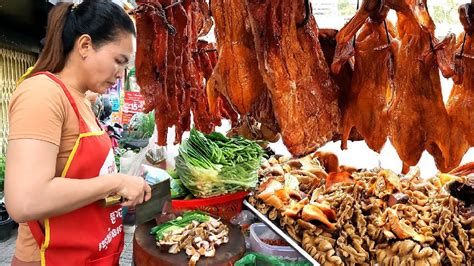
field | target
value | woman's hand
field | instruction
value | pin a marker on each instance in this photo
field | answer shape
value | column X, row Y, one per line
column 134, row 189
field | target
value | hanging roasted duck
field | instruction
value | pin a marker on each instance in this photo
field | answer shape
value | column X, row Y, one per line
column 292, row 64
column 206, row 59
column 374, row 53
column 418, row 118
column 461, row 101
column 236, row 75
column 343, row 79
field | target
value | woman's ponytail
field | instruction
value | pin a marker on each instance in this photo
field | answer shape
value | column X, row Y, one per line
column 52, row 58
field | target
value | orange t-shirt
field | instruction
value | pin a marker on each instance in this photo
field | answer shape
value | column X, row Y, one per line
column 40, row 110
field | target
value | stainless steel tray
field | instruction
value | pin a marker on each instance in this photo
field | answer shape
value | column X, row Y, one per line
column 280, row 232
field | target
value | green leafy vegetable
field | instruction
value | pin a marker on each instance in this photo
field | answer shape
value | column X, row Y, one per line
column 173, row 174
column 178, row 190
column 160, row 230
column 212, row 165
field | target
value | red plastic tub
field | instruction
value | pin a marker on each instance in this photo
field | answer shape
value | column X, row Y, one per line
column 225, row 206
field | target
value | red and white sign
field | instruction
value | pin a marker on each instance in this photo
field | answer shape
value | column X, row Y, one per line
column 133, row 103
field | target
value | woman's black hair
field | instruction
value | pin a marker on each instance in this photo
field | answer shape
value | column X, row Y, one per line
column 102, row 20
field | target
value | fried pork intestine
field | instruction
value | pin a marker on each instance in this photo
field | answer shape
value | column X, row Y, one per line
column 291, row 227
column 321, row 248
column 308, row 170
column 407, row 251
column 362, row 235
column 425, row 219
column 455, row 240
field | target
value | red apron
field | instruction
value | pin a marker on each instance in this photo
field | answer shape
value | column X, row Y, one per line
column 91, row 235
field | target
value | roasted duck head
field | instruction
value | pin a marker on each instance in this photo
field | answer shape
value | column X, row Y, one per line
column 410, row 11
column 375, row 9
column 466, row 16
column 416, row 9
column 345, row 49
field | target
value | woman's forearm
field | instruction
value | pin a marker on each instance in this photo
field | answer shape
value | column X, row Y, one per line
column 33, row 193
column 62, row 195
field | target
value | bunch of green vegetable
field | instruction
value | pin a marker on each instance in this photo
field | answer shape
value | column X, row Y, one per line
column 182, row 221
column 178, row 190
column 142, row 126
column 212, row 165
column 2, row 170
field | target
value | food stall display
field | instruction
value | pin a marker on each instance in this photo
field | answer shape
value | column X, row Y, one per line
column 366, row 216
column 275, row 74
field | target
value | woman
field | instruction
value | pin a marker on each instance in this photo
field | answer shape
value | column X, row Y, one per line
column 59, row 161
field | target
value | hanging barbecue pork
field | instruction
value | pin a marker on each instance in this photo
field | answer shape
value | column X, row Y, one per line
column 292, row 64
column 372, row 81
column 202, row 119
column 177, row 88
column 153, row 30
column 461, row 101
column 171, row 72
column 418, row 117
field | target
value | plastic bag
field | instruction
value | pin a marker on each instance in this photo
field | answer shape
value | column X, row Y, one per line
column 178, row 190
column 153, row 175
column 127, row 160
column 252, row 259
column 135, row 161
column 244, row 219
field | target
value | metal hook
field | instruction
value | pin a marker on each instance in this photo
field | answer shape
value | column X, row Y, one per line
column 354, row 40
column 173, row 4
column 386, row 31
column 431, row 43
column 210, row 11
column 307, row 14
column 463, row 42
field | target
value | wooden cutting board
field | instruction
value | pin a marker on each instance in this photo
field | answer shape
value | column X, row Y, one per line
column 146, row 253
